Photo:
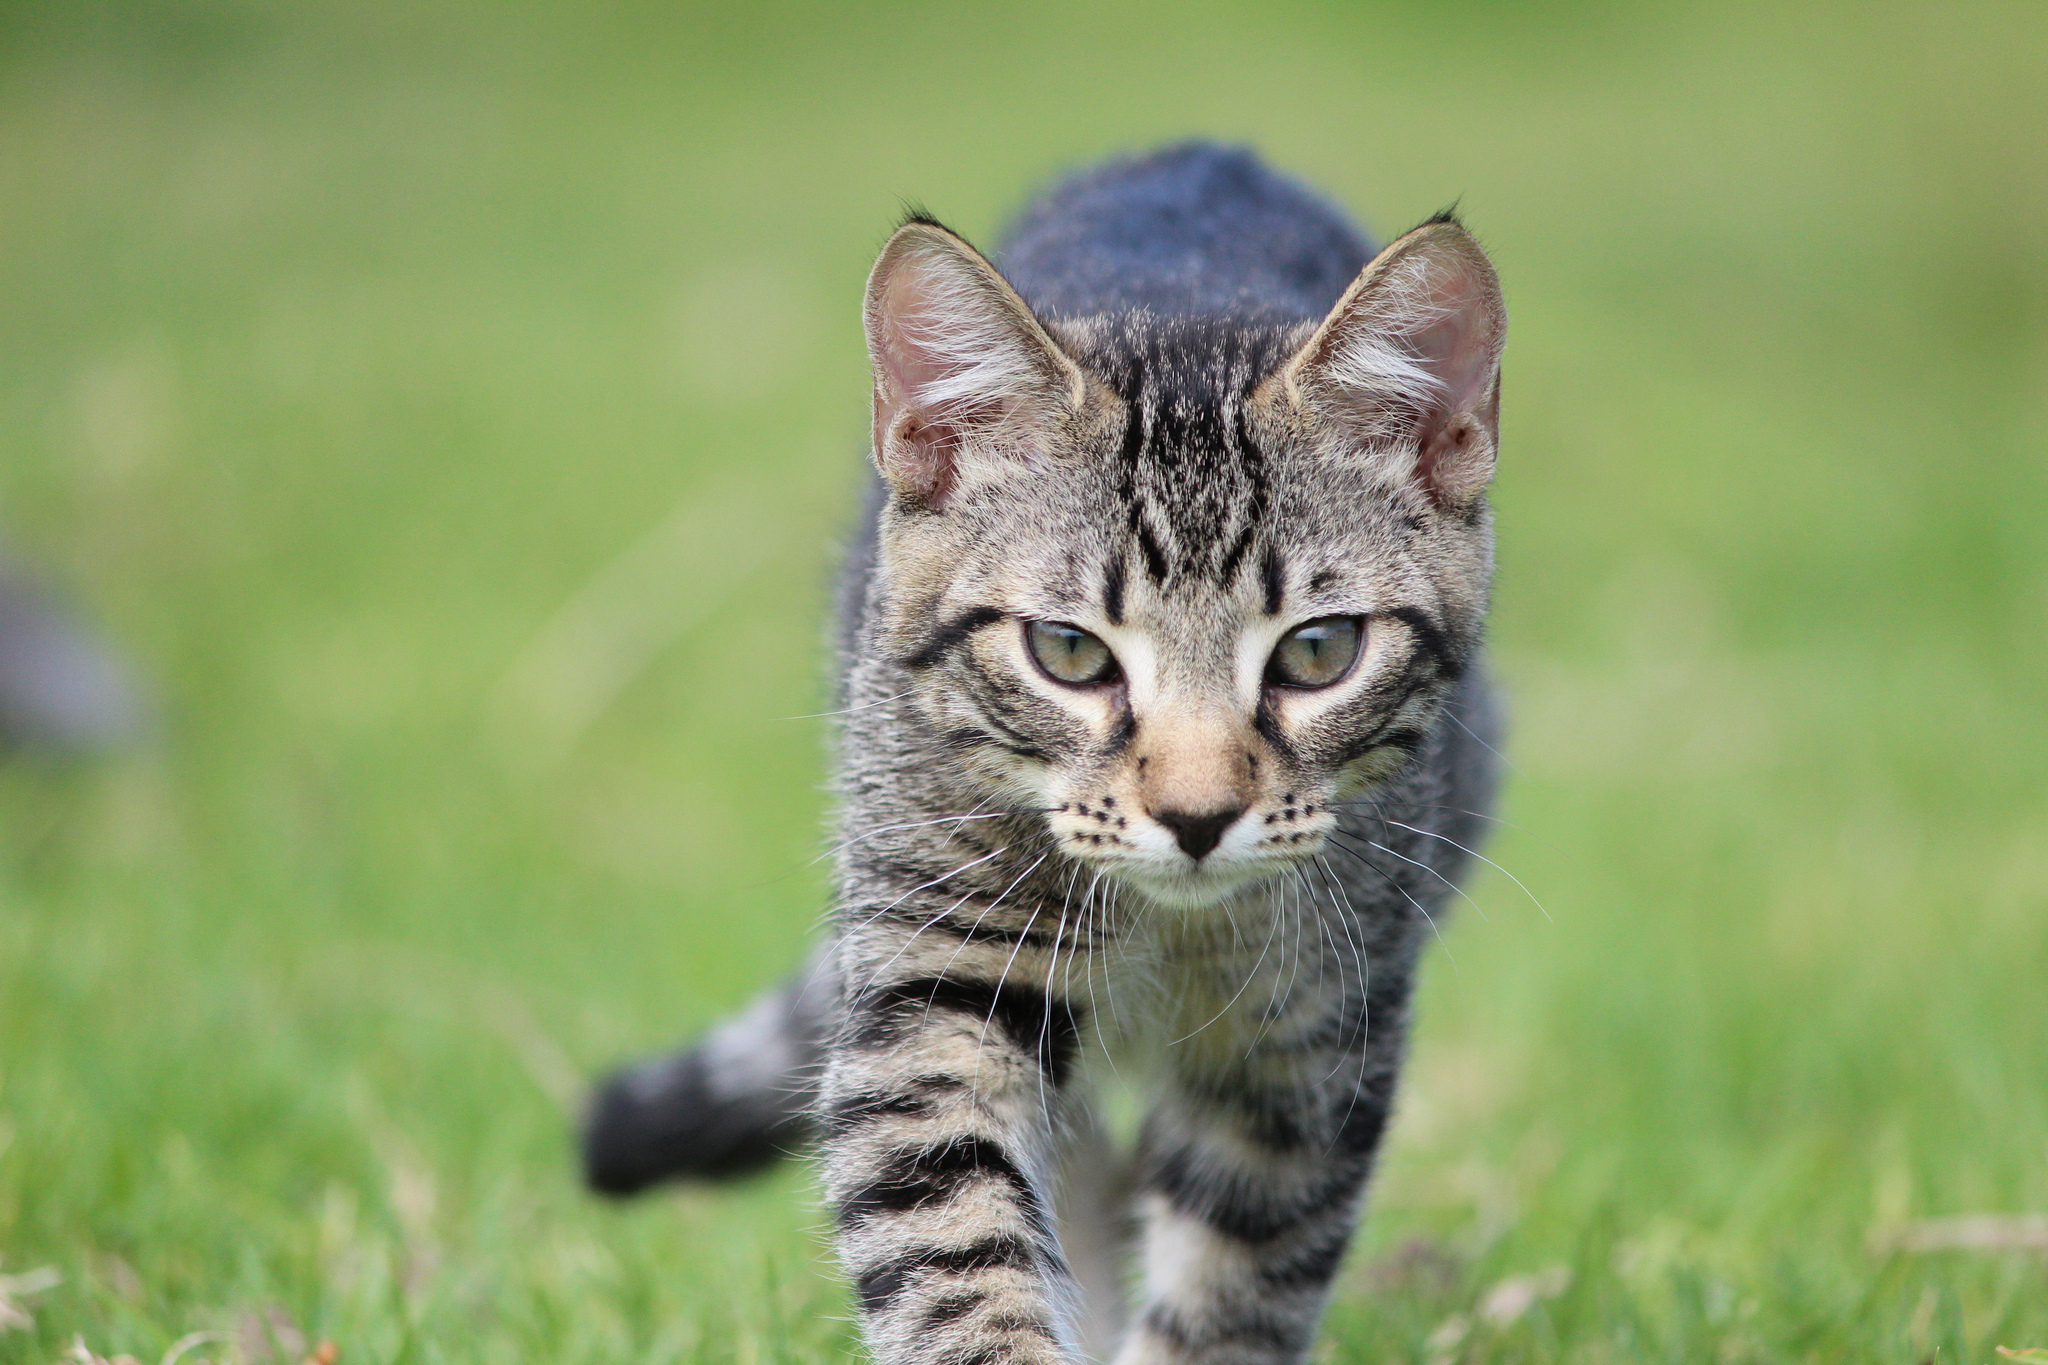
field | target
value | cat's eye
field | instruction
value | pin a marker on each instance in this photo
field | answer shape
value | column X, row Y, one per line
column 1070, row 654
column 1315, row 653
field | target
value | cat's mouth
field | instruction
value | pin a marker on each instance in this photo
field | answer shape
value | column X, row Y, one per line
column 1196, row 887
column 1178, row 882
column 1163, row 858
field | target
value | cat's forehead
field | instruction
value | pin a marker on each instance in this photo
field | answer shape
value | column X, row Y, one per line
column 1185, row 511
column 1185, row 484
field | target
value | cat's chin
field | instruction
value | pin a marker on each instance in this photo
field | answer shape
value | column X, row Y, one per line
column 1196, row 888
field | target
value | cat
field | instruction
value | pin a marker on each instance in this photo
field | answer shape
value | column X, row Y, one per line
column 1164, row 737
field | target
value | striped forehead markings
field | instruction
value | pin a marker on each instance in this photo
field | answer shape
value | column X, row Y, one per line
column 1192, row 476
column 1148, row 544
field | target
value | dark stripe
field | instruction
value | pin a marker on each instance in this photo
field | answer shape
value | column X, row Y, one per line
column 1148, row 545
column 1003, row 701
column 1252, row 461
column 1407, row 739
column 1268, row 726
column 1031, row 1021
column 1134, row 412
column 949, row 634
column 1276, row 1120
column 1246, row 446
column 1391, row 723
column 858, row 1110
column 1234, row 556
column 879, row 1286
column 968, row 931
column 951, row 1309
column 962, row 738
column 1310, row 1267
column 1113, row 590
column 1366, row 1123
column 1246, row 1328
column 922, row 1177
column 917, row 1098
column 1275, row 580
column 987, row 699
column 1126, row 730
column 1249, row 1207
column 1005, row 1352
column 1430, row 635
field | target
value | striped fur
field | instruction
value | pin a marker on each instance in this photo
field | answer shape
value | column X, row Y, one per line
column 1189, row 411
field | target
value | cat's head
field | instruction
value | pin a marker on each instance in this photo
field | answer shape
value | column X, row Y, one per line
column 1181, row 584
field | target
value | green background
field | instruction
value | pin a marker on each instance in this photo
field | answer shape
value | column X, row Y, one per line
column 452, row 407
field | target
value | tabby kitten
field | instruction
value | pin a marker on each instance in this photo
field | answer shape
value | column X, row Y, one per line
column 1164, row 736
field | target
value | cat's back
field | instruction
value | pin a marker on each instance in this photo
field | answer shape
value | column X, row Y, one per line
column 1192, row 229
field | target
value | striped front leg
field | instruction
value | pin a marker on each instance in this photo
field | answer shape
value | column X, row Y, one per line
column 940, row 1098
column 1250, row 1194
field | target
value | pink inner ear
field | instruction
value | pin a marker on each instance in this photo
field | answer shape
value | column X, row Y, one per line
column 912, row 434
column 961, row 371
column 916, row 365
column 1457, row 433
column 1457, row 347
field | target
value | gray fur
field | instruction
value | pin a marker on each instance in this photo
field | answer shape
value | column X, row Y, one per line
column 61, row 687
column 1186, row 430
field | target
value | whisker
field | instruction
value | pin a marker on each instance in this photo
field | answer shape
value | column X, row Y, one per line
column 1051, row 968
column 1273, row 924
column 1002, row 977
column 1474, row 853
column 1361, row 1034
column 1394, row 882
column 1452, row 716
column 1393, row 852
column 864, row 706
column 1378, row 803
column 866, row 834
column 1281, row 998
column 1359, row 957
column 876, row 975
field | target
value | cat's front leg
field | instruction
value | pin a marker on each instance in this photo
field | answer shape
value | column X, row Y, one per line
column 1251, row 1188
column 940, row 1101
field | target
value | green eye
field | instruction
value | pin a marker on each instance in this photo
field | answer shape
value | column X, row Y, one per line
column 1315, row 653
column 1069, row 654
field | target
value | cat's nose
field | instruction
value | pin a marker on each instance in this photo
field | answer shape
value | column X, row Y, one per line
column 1197, row 834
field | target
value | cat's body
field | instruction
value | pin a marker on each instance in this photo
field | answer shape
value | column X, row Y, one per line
column 1116, row 803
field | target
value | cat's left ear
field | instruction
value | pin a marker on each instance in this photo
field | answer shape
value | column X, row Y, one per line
column 967, row 382
column 1408, row 362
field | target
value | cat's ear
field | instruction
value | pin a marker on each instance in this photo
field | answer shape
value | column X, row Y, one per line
column 966, row 380
column 1408, row 362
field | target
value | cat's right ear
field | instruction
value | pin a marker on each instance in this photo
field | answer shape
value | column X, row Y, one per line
column 966, row 380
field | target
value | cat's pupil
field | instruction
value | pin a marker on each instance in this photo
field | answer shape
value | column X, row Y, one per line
column 1315, row 654
column 1070, row 654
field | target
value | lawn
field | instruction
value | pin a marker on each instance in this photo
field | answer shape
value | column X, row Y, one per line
column 453, row 406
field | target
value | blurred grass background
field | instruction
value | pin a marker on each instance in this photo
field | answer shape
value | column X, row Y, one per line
column 453, row 406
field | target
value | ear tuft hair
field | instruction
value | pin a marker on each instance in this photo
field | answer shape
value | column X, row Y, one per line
column 966, row 379
column 1407, row 365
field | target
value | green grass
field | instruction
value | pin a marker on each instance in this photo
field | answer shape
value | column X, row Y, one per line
column 452, row 407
